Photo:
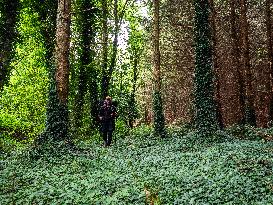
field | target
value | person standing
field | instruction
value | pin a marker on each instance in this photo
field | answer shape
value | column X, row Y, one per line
column 107, row 115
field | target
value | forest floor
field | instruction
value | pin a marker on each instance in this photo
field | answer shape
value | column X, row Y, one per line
column 140, row 169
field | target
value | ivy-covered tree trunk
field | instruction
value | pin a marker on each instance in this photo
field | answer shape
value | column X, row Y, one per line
column 114, row 51
column 133, row 111
column 107, row 72
column 104, row 90
column 158, row 114
column 8, row 16
column 206, row 121
column 57, row 111
column 87, row 76
column 47, row 11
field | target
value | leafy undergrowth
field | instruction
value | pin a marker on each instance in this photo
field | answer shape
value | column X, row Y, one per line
column 141, row 169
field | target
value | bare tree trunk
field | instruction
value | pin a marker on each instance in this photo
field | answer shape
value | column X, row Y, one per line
column 238, row 73
column 264, row 97
column 249, row 100
column 217, row 96
column 269, row 30
column 269, row 36
column 62, row 49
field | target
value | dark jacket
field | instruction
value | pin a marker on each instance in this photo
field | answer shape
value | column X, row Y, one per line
column 107, row 115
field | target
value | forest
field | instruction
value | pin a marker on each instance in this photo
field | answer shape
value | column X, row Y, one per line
column 136, row 102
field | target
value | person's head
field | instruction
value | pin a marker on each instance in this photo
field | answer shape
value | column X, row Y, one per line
column 108, row 100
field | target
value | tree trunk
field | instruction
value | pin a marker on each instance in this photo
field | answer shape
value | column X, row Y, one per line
column 57, row 110
column 87, row 76
column 107, row 73
column 115, row 47
column 104, row 90
column 249, row 94
column 156, row 56
column 269, row 36
column 264, row 96
column 133, row 111
column 9, row 11
column 206, row 121
column 62, row 49
column 158, row 114
column 237, row 72
column 270, row 51
column 216, row 66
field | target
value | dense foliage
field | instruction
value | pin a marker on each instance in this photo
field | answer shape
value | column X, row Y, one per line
column 23, row 100
column 143, row 168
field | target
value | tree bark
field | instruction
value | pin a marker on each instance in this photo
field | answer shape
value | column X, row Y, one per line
column 269, row 30
column 236, row 65
column 216, row 66
column 158, row 114
column 156, row 55
column 249, row 94
column 62, row 49
column 269, row 36
column 264, row 96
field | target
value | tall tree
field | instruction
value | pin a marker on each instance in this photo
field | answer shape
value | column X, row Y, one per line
column 159, row 119
column 8, row 16
column 87, row 76
column 57, row 110
column 104, row 90
column 205, row 108
column 107, row 77
column 249, row 93
column 47, row 11
column 269, row 31
column 118, row 17
column 215, row 64
column 236, row 65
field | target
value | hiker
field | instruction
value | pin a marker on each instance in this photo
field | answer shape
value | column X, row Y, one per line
column 107, row 115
